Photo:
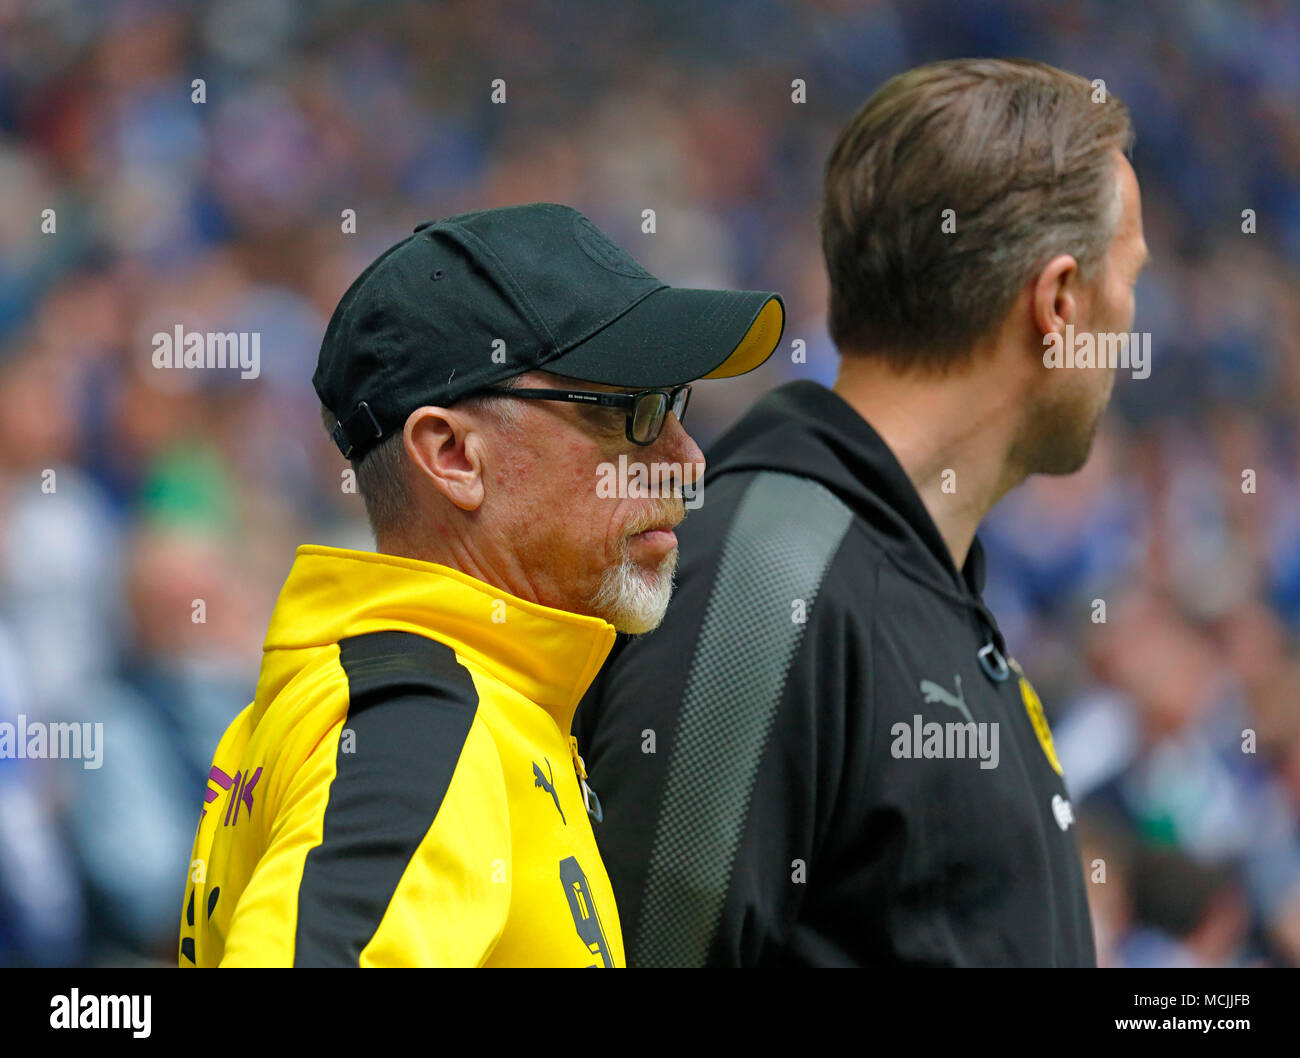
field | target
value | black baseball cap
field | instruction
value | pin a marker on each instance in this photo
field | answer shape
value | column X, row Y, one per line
column 469, row 301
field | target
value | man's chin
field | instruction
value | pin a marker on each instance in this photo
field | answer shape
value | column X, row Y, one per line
column 1058, row 443
column 634, row 598
column 1065, row 461
column 1070, row 456
column 637, row 624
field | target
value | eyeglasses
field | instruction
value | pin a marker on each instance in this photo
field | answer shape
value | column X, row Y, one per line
column 647, row 411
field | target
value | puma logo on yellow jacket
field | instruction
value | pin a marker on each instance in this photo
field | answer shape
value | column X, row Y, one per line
column 377, row 803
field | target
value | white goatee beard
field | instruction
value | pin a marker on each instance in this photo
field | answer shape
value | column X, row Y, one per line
column 632, row 599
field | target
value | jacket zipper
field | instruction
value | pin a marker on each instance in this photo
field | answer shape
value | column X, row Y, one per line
column 589, row 799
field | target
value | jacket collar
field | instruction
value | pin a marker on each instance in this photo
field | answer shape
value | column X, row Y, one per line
column 549, row 656
column 804, row 428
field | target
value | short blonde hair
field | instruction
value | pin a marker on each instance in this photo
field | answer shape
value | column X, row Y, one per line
column 1021, row 152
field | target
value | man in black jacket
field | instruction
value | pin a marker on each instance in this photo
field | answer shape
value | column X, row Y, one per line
column 826, row 754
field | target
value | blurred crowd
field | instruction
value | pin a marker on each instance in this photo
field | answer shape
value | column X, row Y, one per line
column 198, row 159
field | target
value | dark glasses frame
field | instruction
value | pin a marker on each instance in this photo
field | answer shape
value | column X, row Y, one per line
column 675, row 400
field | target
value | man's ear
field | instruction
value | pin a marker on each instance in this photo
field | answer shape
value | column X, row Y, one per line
column 445, row 446
column 1054, row 297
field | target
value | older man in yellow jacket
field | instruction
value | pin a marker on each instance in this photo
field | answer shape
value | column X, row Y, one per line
column 404, row 789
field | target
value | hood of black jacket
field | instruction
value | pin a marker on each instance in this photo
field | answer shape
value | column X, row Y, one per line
column 806, row 429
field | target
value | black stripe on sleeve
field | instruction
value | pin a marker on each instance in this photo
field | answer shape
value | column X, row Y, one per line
column 411, row 704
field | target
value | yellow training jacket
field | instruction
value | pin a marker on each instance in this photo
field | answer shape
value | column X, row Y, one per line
column 403, row 790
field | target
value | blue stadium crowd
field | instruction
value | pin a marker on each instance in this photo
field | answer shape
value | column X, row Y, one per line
column 169, row 163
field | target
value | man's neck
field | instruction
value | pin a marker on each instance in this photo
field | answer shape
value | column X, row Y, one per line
column 950, row 433
column 459, row 554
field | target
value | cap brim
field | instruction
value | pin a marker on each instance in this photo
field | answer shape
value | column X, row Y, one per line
column 678, row 335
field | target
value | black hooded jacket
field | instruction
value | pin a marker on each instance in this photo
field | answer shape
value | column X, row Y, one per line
column 824, row 755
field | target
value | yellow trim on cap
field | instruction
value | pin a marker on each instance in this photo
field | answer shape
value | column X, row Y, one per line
column 758, row 344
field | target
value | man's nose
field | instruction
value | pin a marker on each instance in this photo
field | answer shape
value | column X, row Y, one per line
column 678, row 445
